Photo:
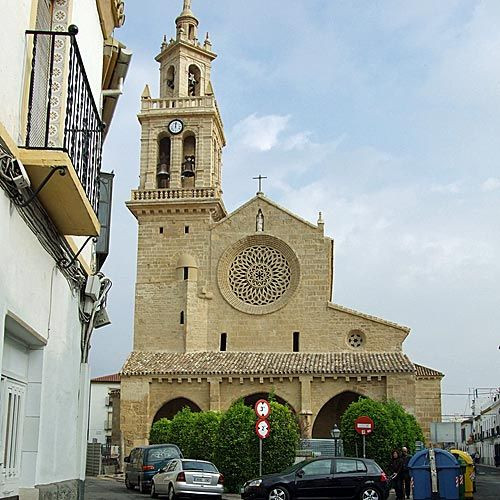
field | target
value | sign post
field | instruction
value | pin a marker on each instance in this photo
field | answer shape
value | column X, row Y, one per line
column 262, row 427
column 364, row 425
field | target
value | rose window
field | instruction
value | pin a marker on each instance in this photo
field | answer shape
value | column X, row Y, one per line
column 355, row 340
column 259, row 275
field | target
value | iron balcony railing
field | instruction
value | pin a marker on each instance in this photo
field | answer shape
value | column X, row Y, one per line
column 62, row 113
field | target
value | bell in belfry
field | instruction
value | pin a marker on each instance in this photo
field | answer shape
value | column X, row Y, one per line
column 163, row 176
column 188, row 166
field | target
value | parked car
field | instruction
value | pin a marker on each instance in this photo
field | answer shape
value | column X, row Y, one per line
column 145, row 461
column 188, row 478
column 324, row 477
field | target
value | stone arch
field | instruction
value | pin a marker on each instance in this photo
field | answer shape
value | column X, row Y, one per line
column 188, row 171
column 163, row 161
column 331, row 413
column 251, row 399
column 172, row 407
column 170, row 80
column 194, row 80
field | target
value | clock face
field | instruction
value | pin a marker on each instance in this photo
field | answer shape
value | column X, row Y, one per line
column 175, row 126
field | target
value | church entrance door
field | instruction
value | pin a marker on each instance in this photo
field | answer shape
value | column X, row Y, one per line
column 331, row 413
column 174, row 406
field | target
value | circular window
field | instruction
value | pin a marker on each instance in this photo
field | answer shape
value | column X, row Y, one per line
column 258, row 274
column 355, row 340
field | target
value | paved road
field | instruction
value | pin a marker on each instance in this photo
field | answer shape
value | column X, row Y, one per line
column 488, row 483
column 111, row 489
column 488, row 488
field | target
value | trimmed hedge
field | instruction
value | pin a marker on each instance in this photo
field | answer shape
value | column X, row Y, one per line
column 228, row 439
column 394, row 428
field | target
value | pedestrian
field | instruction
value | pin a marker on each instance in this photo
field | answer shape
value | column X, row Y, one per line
column 405, row 473
column 396, row 469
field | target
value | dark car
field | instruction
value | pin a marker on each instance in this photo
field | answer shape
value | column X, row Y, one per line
column 145, row 461
column 323, row 477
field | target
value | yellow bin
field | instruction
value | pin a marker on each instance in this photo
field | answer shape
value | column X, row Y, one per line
column 470, row 473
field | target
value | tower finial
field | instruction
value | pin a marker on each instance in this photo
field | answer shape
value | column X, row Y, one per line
column 186, row 9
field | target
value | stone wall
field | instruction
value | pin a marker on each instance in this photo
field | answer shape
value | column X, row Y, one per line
column 142, row 397
column 428, row 402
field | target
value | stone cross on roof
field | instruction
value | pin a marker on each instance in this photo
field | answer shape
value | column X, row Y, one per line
column 260, row 179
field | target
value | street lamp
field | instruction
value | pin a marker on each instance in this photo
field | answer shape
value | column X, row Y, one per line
column 335, row 433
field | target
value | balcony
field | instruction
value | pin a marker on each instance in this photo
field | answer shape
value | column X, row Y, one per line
column 207, row 102
column 175, row 194
column 63, row 129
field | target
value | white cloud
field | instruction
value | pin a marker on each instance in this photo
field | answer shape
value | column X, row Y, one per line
column 465, row 73
column 260, row 133
column 297, row 141
column 451, row 188
column 491, row 184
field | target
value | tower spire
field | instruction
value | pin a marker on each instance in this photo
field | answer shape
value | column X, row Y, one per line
column 187, row 23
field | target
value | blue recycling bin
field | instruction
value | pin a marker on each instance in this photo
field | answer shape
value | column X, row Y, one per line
column 448, row 475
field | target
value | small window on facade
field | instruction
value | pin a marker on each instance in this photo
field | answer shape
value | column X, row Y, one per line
column 223, row 341
column 161, row 230
column 356, row 339
column 186, row 273
column 186, row 229
column 296, row 336
column 182, row 318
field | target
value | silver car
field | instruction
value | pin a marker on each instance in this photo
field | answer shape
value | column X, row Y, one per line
column 185, row 477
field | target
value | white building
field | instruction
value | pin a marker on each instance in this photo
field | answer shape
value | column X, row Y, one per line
column 101, row 409
column 57, row 89
column 486, row 430
column 481, row 433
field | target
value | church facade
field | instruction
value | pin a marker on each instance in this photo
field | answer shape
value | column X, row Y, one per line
column 237, row 305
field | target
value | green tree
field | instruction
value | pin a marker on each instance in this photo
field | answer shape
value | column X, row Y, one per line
column 393, row 428
column 160, row 431
column 181, row 429
column 204, row 435
column 237, row 447
column 280, row 447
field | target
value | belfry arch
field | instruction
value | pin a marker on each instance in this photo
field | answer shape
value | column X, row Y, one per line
column 331, row 413
column 174, row 406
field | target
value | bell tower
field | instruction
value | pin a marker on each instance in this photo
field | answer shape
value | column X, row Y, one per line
column 182, row 131
column 179, row 197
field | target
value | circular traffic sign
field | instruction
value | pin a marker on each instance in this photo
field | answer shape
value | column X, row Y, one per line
column 262, row 408
column 363, row 425
column 262, row 428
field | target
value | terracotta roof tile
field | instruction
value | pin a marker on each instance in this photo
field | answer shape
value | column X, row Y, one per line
column 107, row 378
column 265, row 363
column 423, row 371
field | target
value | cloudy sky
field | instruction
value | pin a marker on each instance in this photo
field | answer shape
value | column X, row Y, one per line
column 381, row 114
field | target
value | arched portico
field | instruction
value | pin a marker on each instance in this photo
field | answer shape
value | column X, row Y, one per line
column 174, row 406
column 251, row 399
column 331, row 413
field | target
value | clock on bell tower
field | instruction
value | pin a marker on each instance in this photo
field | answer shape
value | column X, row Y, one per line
column 182, row 131
column 179, row 197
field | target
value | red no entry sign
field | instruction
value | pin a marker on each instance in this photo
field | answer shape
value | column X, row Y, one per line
column 363, row 425
column 262, row 428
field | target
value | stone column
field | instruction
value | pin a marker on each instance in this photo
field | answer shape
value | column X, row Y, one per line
column 214, row 393
column 134, row 411
column 176, row 162
column 306, row 406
